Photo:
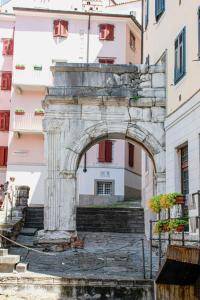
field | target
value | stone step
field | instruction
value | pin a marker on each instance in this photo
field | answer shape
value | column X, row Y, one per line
column 28, row 231
column 8, row 263
column 25, row 240
column 21, row 267
column 3, row 252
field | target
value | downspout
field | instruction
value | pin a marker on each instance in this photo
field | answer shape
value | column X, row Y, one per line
column 88, row 39
column 142, row 33
column 88, row 51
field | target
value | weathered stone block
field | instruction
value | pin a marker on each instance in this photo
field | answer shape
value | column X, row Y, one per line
column 135, row 113
column 21, row 267
column 145, row 84
column 158, row 114
column 3, row 252
column 146, row 77
column 146, row 114
column 157, row 69
column 147, row 92
column 158, row 80
column 159, row 93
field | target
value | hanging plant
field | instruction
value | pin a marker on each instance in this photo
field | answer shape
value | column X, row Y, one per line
column 20, row 67
column 37, row 68
column 154, row 203
column 177, row 225
column 19, row 111
column 162, row 226
column 39, row 112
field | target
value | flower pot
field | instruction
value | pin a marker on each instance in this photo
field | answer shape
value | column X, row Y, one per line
column 166, row 228
column 37, row 68
column 19, row 113
column 180, row 228
column 180, row 199
column 39, row 114
column 20, row 67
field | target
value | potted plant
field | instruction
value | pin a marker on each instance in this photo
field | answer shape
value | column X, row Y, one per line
column 167, row 201
column 39, row 112
column 177, row 225
column 19, row 111
column 37, row 68
column 180, row 199
column 20, row 67
column 154, row 203
column 162, row 226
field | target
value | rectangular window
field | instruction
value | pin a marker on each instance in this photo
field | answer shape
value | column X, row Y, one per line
column 60, row 28
column 199, row 32
column 132, row 41
column 159, row 8
column 7, row 47
column 3, row 156
column 184, row 170
column 108, row 61
column 4, row 120
column 106, row 32
column 130, row 155
column 146, row 13
column 6, row 81
column 105, row 152
column 180, row 56
column 104, row 188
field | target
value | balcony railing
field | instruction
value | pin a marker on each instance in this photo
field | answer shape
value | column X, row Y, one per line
column 32, row 78
column 28, row 122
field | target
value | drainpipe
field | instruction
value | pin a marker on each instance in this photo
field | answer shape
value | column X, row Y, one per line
column 88, row 39
column 85, row 163
column 142, row 33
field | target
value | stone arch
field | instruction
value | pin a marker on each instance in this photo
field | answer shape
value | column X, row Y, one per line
column 103, row 130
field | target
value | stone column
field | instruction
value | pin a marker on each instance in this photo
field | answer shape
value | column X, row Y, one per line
column 59, row 207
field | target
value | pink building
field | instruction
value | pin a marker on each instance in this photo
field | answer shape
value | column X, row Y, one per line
column 32, row 38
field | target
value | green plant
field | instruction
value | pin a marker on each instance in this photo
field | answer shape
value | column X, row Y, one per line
column 161, row 226
column 154, row 203
column 37, row 67
column 169, row 200
column 19, row 109
column 135, row 98
column 18, row 66
column 39, row 110
column 175, row 223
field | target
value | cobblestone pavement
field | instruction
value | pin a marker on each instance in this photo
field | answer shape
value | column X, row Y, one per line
column 105, row 255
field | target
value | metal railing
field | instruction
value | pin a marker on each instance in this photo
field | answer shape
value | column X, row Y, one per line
column 28, row 122
column 168, row 239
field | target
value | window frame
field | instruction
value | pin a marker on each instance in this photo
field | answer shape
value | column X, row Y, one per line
column 132, row 38
column 180, row 56
column 7, row 75
column 61, row 24
column 98, row 181
column 107, row 59
column 159, row 8
column 110, row 36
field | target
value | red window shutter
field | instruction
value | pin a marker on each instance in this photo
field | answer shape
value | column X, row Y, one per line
column 6, row 81
column 106, row 61
column 56, row 28
column 130, row 155
column 4, row 120
column 7, row 120
column 64, row 28
column 110, row 32
column 3, row 156
column 102, row 151
column 8, row 47
column 106, row 32
column 108, row 151
column 102, row 32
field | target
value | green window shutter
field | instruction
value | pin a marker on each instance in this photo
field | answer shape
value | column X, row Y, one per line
column 146, row 13
column 159, row 8
column 180, row 56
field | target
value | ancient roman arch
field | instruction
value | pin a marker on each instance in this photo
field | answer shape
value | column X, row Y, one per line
column 89, row 103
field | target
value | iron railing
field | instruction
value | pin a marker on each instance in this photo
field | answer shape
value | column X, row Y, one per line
column 167, row 238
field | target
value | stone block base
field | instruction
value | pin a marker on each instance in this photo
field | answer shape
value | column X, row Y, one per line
column 58, row 241
column 21, row 267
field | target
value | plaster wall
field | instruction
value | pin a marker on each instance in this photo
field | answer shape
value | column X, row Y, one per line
column 163, row 33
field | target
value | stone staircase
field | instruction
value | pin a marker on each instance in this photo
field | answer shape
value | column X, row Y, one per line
column 10, row 263
column 34, row 217
column 110, row 219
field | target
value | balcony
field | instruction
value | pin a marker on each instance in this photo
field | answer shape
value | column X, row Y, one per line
column 29, row 79
column 27, row 123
